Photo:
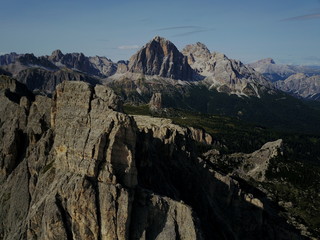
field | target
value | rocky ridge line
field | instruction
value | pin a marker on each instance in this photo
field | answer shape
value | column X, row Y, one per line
column 224, row 74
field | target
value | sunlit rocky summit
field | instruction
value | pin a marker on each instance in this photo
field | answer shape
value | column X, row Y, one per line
column 160, row 57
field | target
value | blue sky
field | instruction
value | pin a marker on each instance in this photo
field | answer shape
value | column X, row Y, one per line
column 286, row 30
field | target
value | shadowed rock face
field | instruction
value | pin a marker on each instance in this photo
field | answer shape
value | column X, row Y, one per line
column 9, row 58
column 160, row 57
column 45, row 81
column 76, row 167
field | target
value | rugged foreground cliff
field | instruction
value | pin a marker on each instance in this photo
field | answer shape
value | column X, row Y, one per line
column 76, row 167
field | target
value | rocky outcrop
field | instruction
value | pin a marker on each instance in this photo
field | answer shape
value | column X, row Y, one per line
column 160, row 57
column 82, row 169
column 161, row 127
column 77, row 177
column 247, row 166
column 122, row 67
column 155, row 103
column 224, row 74
column 301, row 85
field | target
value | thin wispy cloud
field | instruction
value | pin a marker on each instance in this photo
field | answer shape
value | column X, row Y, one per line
column 304, row 17
column 178, row 27
column 128, row 47
column 181, row 31
column 191, row 33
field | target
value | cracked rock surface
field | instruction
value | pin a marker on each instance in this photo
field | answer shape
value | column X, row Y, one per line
column 76, row 167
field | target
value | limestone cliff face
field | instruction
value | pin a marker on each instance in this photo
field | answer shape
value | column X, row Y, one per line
column 75, row 177
column 160, row 57
column 76, row 167
column 164, row 130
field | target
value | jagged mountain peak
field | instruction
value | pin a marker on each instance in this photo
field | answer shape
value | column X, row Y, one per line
column 57, row 52
column 222, row 73
column 198, row 45
column 161, row 57
column 56, row 55
column 162, row 44
column 159, row 39
column 197, row 50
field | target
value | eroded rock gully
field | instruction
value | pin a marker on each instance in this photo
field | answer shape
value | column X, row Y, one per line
column 76, row 167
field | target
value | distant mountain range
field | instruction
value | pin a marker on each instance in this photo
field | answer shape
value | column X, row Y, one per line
column 301, row 85
column 45, row 72
column 159, row 58
column 275, row 72
column 194, row 79
column 299, row 81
